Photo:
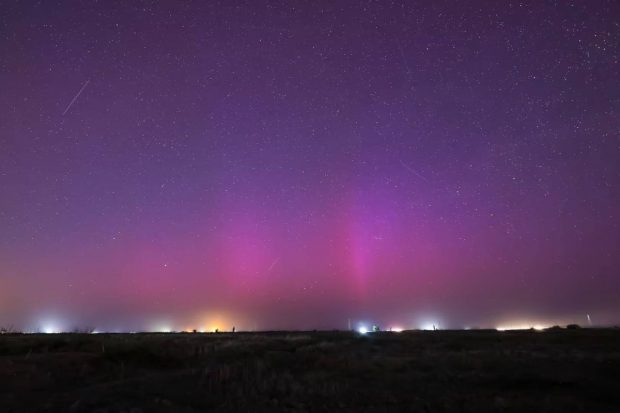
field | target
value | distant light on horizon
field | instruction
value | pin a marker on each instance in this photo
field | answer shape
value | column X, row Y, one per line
column 521, row 326
column 428, row 327
column 50, row 324
column 57, row 325
column 162, row 328
column 50, row 329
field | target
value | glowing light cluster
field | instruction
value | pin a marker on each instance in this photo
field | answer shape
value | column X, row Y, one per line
column 521, row 326
column 50, row 329
column 429, row 326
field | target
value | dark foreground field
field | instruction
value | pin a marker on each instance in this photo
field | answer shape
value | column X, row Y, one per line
column 477, row 371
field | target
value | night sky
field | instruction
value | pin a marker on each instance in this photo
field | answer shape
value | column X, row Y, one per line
column 265, row 164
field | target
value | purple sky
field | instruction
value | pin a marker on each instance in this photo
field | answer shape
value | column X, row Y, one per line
column 299, row 164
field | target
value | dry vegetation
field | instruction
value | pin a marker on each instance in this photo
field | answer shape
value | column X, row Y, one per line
column 477, row 371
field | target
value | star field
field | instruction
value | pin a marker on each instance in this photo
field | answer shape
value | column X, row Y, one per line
column 296, row 165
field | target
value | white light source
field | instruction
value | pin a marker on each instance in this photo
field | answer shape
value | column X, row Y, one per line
column 362, row 330
column 161, row 326
column 429, row 326
column 396, row 329
column 49, row 329
column 50, row 325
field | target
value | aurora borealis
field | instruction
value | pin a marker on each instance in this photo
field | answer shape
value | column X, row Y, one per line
column 299, row 164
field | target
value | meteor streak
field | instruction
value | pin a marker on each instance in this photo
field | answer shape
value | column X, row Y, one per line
column 75, row 97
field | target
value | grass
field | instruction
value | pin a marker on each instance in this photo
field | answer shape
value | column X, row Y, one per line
column 442, row 371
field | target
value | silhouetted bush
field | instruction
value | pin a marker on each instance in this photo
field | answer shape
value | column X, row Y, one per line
column 8, row 330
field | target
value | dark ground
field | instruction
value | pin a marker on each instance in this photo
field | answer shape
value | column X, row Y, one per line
column 444, row 371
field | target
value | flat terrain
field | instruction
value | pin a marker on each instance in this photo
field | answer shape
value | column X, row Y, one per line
column 444, row 371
